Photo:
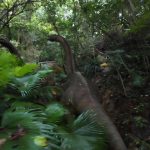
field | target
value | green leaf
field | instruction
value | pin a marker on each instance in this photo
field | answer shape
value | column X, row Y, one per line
column 27, row 84
column 27, row 68
column 55, row 112
column 40, row 141
column 7, row 64
column 24, row 143
column 137, row 80
column 85, row 133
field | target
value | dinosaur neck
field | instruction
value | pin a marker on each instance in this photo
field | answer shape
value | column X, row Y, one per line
column 69, row 61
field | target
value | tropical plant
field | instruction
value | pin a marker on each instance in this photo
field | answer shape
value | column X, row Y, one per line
column 21, row 127
column 92, row 68
column 83, row 133
column 28, row 124
column 29, row 129
column 7, row 64
column 28, row 84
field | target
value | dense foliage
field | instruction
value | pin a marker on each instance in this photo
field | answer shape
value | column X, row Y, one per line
column 34, row 119
column 110, row 40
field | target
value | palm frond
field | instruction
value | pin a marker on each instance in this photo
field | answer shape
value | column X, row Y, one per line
column 84, row 134
column 25, row 119
column 24, row 105
column 27, row 84
column 32, row 123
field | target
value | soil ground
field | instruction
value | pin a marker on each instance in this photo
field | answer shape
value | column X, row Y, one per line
column 130, row 113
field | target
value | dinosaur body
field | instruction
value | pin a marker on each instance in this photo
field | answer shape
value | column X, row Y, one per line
column 78, row 94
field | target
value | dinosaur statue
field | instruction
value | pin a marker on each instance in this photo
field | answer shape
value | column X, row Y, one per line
column 78, row 93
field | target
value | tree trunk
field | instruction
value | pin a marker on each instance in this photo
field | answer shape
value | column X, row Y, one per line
column 6, row 43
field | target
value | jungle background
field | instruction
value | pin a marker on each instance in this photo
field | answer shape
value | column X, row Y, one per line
column 110, row 40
